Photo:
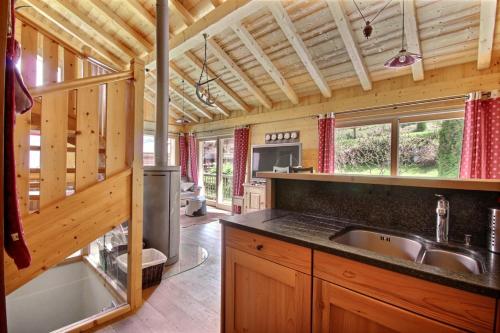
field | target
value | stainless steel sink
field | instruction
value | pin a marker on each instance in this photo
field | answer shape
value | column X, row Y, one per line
column 452, row 261
column 411, row 248
column 382, row 243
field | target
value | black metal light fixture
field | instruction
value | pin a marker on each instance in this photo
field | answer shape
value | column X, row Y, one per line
column 182, row 120
column 204, row 95
column 368, row 28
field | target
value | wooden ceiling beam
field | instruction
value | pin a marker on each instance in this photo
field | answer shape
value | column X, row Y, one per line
column 217, row 20
column 180, row 73
column 144, row 44
column 179, row 109
column 487, row 21
column 176, row 90
column 48, row 31
column 347, row 35
column 64, row 24
column 176, row 7
column 262, row 58
column 195, row 62
column 84, row 17
column 143, row 12
column 226, row 60
column 281, row 16
column 412, row 37
column 216, row 3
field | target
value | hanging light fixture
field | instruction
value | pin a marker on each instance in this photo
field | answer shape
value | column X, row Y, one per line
column 204, row 95
column 403, row 58
column 182, row 120
column 368, row 29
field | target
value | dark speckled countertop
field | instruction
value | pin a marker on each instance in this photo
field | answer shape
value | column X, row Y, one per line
column 314, row 231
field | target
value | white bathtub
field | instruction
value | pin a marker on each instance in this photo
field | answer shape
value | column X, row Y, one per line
column 59, row 297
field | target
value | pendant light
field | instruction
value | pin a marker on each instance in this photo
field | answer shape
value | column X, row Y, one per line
column 204, row 95
column 368, row 29
column 403, row 58
column 182, row 120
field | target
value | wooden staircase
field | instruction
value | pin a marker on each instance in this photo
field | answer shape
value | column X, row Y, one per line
column 70, row 224
column 106, row 115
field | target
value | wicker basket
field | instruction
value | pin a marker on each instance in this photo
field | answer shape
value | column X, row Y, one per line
column 152, row 267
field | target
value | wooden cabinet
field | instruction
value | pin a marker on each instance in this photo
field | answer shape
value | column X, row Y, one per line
column 337, row 309
column 271, row 285
column 261, row 295
column 471, row 312
column 254, row 197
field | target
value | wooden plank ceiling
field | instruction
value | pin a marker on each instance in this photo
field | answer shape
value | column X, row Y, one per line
column 268, row 52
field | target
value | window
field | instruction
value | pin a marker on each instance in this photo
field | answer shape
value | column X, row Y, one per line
column 426, row 146
column 149, row 150
column 430, row 148
column 39, row 70
column 364, row 150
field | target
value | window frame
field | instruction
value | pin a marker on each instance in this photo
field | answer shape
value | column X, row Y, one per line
column 395, row 122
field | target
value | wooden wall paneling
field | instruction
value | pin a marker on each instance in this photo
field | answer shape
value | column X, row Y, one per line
column 50, row 60
column 64, row 227
column 116, row 126
column 29, row 42
column 87, row 137
column 53, row 147
column 135, row 144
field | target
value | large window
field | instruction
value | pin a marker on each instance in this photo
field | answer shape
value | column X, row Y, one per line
column 430, row 148
column 149, row 150
column 363, row 150
column 421, row 146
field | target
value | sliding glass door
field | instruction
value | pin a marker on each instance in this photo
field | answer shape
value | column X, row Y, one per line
column 217, row 170
column 225, row 186
column 209, row 164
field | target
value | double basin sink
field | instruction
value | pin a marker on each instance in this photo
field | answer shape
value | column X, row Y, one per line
column 413, row 248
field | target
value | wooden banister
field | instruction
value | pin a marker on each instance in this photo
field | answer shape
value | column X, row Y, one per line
column 80, row 83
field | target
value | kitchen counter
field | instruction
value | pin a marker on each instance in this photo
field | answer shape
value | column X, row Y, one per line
column 314, row 232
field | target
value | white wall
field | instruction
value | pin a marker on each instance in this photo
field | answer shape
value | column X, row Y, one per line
column 59, row 297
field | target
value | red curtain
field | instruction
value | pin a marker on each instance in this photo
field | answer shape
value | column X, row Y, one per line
column 481, row 139
column 326, row 137
column 15, row 245
column 240, row 153
column 193, row 159
column 183, row 154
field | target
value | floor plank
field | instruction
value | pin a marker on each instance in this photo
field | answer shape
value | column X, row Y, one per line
column 185, row 303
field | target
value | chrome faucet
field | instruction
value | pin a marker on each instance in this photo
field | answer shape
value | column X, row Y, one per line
column 442, row 219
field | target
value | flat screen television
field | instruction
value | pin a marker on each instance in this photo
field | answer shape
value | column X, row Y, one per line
column 265, row 157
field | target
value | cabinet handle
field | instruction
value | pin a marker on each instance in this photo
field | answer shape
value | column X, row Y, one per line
column 259, row 247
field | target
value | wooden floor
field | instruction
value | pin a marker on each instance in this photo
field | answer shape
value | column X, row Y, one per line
column 188, row 302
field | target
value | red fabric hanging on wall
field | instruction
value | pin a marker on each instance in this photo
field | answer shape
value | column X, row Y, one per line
column 193, row 159
column 326, row 144
column 14, row 241
column 240, row 156
column 183, row 154
column 481, row 138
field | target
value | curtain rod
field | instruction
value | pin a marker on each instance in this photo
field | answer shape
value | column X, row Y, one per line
column 388, row 106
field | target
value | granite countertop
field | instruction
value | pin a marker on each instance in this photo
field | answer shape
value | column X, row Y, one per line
column 314, row 231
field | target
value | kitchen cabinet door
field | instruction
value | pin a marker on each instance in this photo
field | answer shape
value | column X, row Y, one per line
column 262, row 296
column 337, row 309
